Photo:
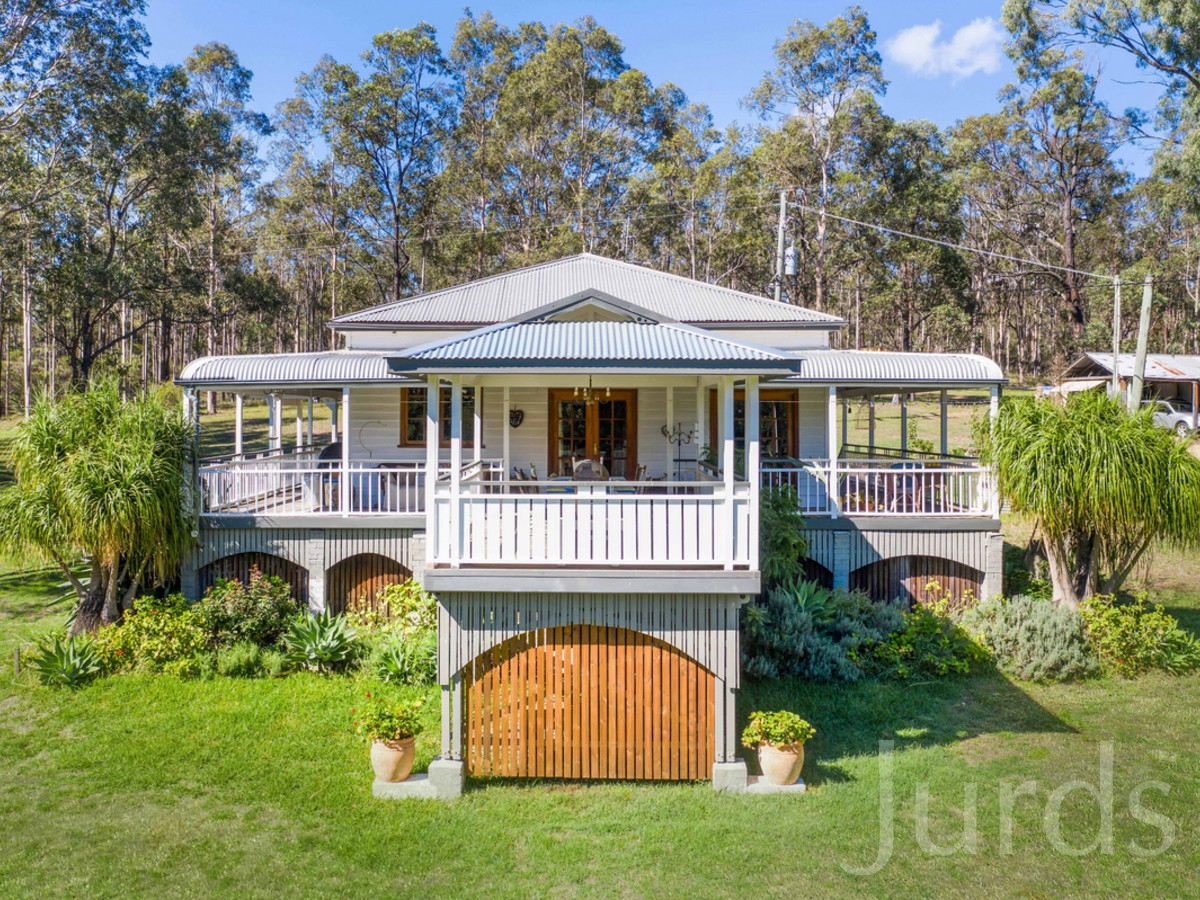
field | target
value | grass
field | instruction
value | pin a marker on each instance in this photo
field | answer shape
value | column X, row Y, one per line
column 139, row 786
column 149, row 787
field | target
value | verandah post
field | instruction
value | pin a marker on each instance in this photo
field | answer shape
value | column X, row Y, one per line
column 455, row 469
column 239, row 428
column 835, row 505
column 344, row 494
column 945, row 426
column 432, row 546
column 753, row 451
column 728, row 461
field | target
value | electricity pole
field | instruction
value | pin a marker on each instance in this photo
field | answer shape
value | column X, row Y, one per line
column 779, row 245
column 1139, row 365
column 1115, row 390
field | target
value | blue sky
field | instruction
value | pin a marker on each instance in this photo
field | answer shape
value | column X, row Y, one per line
column 944, row 60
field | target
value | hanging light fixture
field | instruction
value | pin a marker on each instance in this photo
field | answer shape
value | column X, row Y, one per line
column 588, row 395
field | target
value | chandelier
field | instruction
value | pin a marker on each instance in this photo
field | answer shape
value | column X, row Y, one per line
column 589, row 396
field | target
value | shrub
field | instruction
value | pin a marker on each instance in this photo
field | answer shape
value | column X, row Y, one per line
column 779, row 729
column 242, row 660
column 1033, row 638
column 781, row 535
column 380, row 719
column 157, row 635
column 1135, row 637
column 806, row 631
column 406, row 660
column 70, row 663
column 930, row 643
column 408, row 607
column 323, row 643
column 258, row 612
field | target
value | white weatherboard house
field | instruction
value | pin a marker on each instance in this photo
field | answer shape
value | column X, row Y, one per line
column 600, row 434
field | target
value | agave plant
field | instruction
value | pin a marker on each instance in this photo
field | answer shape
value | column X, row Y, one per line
column 69, row 663
column 815, row 600
column 411, row 660
column 323, row 643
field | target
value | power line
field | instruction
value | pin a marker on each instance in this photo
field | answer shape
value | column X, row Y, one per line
column 950, row 244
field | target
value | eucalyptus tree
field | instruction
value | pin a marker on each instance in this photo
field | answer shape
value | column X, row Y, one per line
column 219, row 92
column 387, row 128
column 1102, row 486
column 821, row 73
column 103, row 479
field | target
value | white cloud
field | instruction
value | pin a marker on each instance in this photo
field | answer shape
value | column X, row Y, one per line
column 976, row 47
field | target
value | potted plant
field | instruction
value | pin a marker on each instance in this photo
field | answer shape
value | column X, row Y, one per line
column 392, row 728
column 779, row 738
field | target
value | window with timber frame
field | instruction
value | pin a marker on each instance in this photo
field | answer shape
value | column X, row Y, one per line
column 412, row 417
column 778, row 424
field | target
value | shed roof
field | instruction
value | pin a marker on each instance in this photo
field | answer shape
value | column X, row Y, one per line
column 499, row 298
column 1159, row 366
column 331, row 367
column 546, row 344
column 884, row 367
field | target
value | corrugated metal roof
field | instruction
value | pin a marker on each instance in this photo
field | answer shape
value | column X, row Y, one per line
column 1159, row 366
column 511, row 294
column 547, row 342
column 329, row 367
column 872, row 366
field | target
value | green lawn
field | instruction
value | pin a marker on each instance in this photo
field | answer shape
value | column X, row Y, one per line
column 153, row 787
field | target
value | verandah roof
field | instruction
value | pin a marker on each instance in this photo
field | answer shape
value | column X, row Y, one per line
column 630, row 345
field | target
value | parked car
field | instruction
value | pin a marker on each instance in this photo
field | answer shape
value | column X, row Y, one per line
column 1175, row 414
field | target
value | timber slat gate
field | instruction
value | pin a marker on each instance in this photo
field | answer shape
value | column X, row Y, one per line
column 588, row 702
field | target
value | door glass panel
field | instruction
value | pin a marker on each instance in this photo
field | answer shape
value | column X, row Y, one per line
column 572, row 435
column 612, row 447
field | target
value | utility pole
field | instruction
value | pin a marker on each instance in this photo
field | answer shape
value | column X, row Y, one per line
column 1115, row 389
column 779, row 245
column 1139, row 364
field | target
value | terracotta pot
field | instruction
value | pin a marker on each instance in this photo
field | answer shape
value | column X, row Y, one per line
column 781, row 765
column 392, row 761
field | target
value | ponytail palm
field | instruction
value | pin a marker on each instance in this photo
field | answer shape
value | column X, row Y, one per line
column 1103, row 486
column 103, row 478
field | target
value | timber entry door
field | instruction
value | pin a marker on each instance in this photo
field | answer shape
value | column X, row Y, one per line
column 604, row 430
column 587, row 701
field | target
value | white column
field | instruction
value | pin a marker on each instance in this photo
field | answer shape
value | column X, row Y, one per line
column 455, row 468
column 903, row 422
column 346, row 486
column 718, row 439
column 333, row 420
column 993, row 481
column 945, row 426
column 477, row 453
column 845, row 422
column 239, row 428
column 309, row 432
column 431, row 465
column 871, row 426
column 728, row 457
column 752, row 464
column 276, row 422
column 507, row 435
column 701, row 420
column 299, row 425
column 832, row 451
column 671, row 473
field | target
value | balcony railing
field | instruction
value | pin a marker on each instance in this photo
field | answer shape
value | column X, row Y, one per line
column 886, row 487
column 612, row 523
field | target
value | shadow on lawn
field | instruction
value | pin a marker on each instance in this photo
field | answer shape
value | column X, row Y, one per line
column 851, row 719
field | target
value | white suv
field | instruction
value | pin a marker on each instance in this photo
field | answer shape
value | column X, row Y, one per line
column 1175, row 414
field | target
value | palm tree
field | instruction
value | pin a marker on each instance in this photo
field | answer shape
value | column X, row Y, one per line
column 1102, row 486
column 102, row 478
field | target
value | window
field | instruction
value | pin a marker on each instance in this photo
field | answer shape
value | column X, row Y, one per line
column 777, row 420
column 412, row 417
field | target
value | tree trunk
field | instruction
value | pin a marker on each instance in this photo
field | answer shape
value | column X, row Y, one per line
column 98, row 606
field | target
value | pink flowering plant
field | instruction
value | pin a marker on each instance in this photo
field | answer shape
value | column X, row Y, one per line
column 386, row 719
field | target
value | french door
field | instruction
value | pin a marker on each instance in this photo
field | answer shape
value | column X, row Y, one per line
column 604, row 430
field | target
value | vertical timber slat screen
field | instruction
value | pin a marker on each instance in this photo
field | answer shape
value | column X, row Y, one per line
column 237, row 568
column 910, row 579
column 354, row 584
column 588, row 702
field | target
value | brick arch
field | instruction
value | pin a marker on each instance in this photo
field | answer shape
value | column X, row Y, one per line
column 907, row 577
column 237, row 566
column 589, row 702
column 354, row 583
